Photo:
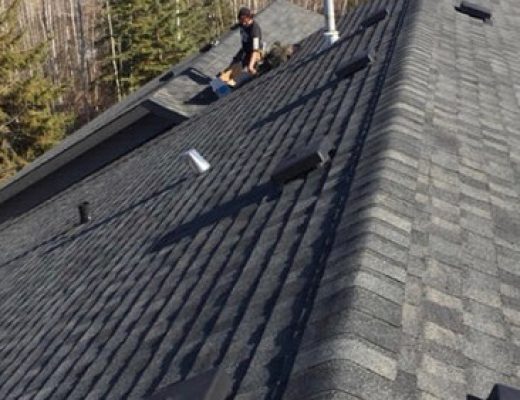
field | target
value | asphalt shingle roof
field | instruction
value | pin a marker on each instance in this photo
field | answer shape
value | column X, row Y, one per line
column 390, row 273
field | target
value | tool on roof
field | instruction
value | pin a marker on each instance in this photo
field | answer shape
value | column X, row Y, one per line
column 474, row 10
column 302, row 160
column 196, row 161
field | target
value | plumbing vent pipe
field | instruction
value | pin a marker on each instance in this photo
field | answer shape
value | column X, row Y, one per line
column 84, row 213
column 331, row 34
column 196, row 161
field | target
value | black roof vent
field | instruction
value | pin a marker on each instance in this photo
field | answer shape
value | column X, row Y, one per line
column 167, row 76
column 358, row 62
column 500, row 392
column 376, row 17
column 207, row 47
column 84, row 213
column 474, row 10
column 303, row 160
column 211, row 385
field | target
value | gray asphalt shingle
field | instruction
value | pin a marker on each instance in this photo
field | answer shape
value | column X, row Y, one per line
column 392, row 272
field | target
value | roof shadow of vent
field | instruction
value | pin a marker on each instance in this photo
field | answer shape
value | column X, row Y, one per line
column 266, row 191
column 474, row 10
column 360, row 61
column 302, row 160
column 374, row 18
column 197, row 76
column 211, row 385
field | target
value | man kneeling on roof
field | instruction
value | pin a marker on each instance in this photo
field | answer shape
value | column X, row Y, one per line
column 250, row 53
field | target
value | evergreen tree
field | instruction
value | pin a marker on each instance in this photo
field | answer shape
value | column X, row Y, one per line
column 28, row 124
column 145, row 37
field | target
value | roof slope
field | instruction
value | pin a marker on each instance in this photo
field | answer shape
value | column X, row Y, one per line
column 393, row 272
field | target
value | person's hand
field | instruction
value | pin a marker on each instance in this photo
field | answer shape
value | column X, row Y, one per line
column 252, row 70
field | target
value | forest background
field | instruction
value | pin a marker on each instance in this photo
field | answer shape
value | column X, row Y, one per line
column 62, row 62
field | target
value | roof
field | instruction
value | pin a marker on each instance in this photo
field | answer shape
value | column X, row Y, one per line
column 281, row 21
column 177, row 94
column 390, row 272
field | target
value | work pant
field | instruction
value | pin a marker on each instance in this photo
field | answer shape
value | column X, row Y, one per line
column 235, row 73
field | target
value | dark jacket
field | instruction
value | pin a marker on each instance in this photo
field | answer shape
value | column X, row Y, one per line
column 251, row 37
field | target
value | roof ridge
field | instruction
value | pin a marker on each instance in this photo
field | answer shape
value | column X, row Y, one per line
column 383, row 145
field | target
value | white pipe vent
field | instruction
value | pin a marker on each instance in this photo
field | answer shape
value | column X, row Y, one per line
column 196, row 161
column 331, row 34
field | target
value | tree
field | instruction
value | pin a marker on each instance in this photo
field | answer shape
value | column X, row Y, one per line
column 29, row 123
column 143, row 38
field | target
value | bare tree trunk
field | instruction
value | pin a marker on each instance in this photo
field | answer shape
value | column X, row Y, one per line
column 113, row 49
column 177, row 20
column 82, row 60
column 74, row 31
column 92, row 60
column 47, row 22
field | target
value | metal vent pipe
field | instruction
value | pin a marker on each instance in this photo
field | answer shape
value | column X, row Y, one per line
column 331, row 34
column 196, row 161
column 84, row 213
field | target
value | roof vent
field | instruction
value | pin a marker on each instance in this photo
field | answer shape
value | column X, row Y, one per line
column 355, row 64
column 208, row 46
column 474, row 10
column 167, row 76
column 196, row 161
column 303, row 160
column 500, row 392
column 331, row 34
column 211, row 385
column 84, row 213
column 373, row 19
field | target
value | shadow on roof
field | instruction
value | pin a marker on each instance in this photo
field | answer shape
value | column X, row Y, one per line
column 196, row 76
column 204, row 98
column 267, row 191
column 90, row 227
